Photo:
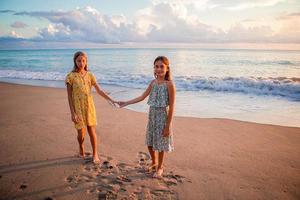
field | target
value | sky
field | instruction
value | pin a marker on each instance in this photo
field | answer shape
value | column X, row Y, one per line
column 61, row 23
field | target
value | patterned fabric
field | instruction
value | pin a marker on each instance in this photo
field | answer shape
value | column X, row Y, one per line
column 159, row 96
column 82, row 98
column 157, row 118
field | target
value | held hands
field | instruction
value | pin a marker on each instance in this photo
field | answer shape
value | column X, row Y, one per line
column 119, row 104
column 122, row 104
column 112, row 103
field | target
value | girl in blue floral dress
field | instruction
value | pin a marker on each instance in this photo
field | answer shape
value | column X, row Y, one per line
column 159, row 136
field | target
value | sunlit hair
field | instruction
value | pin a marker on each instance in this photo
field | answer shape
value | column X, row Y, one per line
column 164, row 60
column 76, row 55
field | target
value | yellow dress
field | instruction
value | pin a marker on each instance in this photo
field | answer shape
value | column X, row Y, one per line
column 82, row 98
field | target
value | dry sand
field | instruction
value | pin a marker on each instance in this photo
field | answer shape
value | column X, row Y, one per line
column 213, row 158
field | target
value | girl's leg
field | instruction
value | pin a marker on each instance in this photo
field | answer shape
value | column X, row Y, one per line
column 161, row 159
column 152, row 154
column 80, row 138
column 93, row 139
column 153, row 166
column 158, row 173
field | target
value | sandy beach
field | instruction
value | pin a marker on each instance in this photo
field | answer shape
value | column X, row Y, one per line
column 213, row 158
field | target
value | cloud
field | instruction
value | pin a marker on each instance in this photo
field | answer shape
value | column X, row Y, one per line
column 289, row 30
column 14, row 34
column 86, row 24
column 243, row 4
column 229, row 5
column 289, row 16
column 162, row 21
column 18, row 24
column 166, row 22
column 255, row 34
column 7, row 11
column 294, row 14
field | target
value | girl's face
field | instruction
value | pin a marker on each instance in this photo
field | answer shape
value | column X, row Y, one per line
column 160, row 69
column 80, row 62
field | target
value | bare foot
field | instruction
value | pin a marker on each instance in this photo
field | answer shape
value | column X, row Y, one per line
column 96, row 159
column 81, row 151
column 152, row 167
column 158, row 173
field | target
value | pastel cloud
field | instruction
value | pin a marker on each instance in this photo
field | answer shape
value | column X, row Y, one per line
column 14, row 34
column 18, row 24
column 83, row 24
column 289, row 29
column 230, row 5
column 243, row 4
column 163, row 21
column 166, row 22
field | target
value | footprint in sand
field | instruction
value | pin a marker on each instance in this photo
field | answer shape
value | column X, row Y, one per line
column 124, row 168
column 143, row 158
column 23, row 186
column 92, row 190
column 48, row 198
column 124, row 178
column 163, row 194
column 88, row 168
column 70, row 179
column 119, row 180
column 109, row 167
column 142, row 192
column 86, row 178
column 107, row 195
column 73, row 181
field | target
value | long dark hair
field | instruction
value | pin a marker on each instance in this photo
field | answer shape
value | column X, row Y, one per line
column 165, row 60
column 76, row 55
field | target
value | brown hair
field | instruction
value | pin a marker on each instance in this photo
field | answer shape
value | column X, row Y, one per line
column 76, row 55
column 165, row 60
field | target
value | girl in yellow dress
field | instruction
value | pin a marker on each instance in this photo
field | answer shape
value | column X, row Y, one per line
column 79, row 83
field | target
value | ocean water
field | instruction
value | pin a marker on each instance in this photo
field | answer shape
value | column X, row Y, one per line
column 251, row 85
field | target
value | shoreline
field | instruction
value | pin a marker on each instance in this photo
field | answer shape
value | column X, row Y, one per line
column 140, row 108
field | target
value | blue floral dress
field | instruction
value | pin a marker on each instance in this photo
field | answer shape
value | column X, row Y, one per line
column 157, row 118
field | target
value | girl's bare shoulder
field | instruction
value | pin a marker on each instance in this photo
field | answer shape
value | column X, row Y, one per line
column 170, row 83
column 152, row 82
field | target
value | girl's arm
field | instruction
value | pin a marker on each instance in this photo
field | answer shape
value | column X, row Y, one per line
column 103, row 93
column 172, row 93
column 69, row 90
column 75, row 118
column 140, row 98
